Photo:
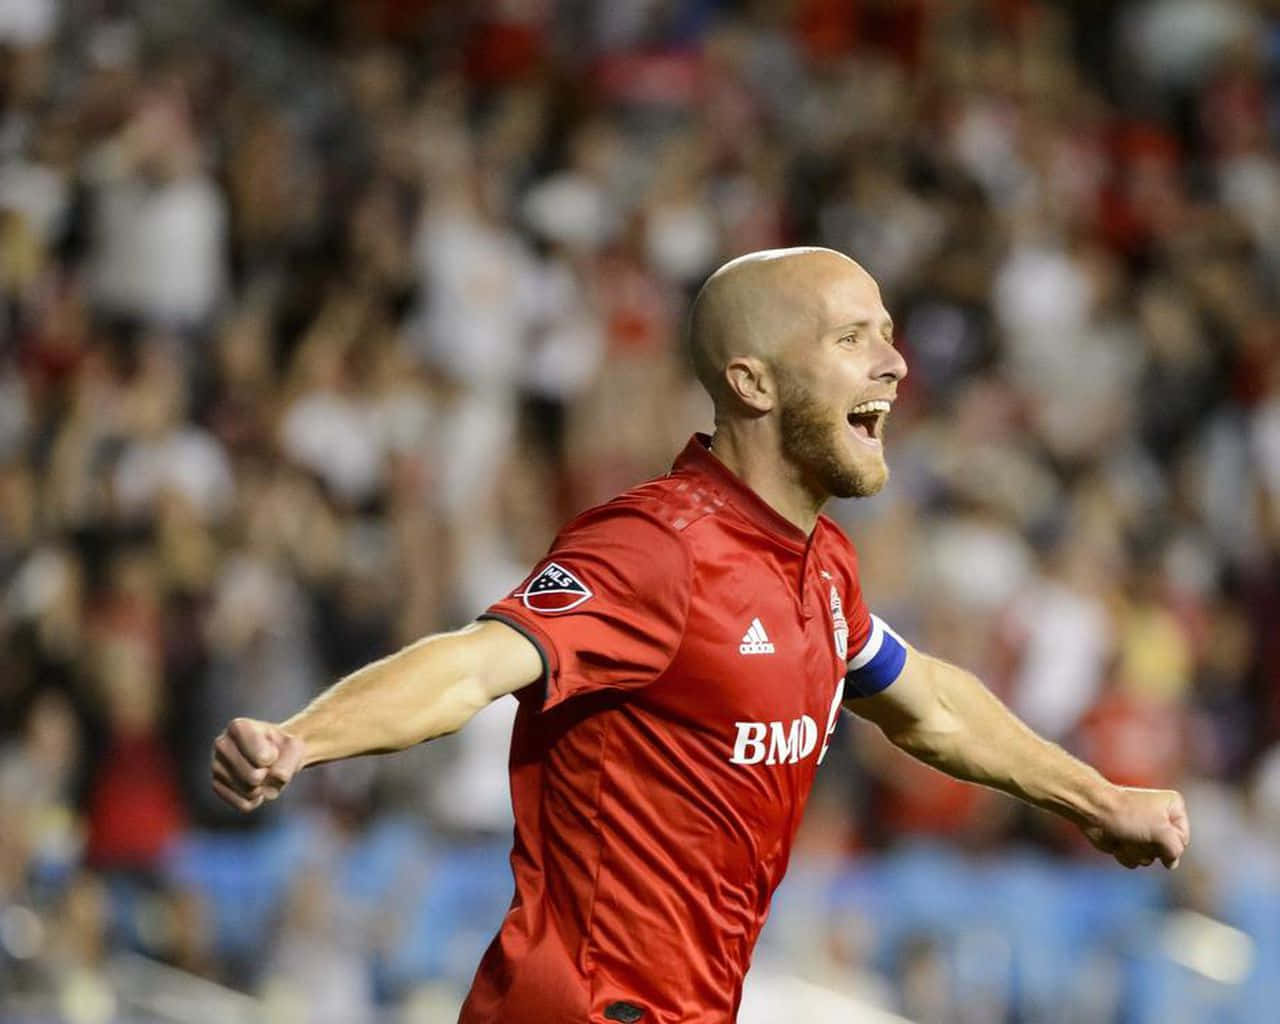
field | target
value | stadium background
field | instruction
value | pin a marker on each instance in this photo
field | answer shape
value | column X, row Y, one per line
column 317, row 318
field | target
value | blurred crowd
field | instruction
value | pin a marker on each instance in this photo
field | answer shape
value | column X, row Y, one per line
column 318, row 318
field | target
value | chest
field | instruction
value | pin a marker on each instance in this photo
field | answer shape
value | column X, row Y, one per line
column 762, row 663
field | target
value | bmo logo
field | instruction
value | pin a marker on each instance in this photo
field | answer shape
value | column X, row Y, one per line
column 771, row 743
column 775, row 742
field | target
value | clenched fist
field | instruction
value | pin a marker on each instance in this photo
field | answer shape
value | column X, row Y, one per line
column 253, row 761
column 1142, row 826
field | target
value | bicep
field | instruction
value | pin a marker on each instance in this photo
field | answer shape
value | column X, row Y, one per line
column 907, row 702
column 506, row 659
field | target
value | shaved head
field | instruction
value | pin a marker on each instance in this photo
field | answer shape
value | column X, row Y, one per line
column 755, row 305
column 795, row 348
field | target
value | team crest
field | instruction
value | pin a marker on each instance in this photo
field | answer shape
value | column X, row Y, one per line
column 555, row 589
column 841, row 625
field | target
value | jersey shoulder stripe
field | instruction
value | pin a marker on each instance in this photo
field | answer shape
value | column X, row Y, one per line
column 678, row 500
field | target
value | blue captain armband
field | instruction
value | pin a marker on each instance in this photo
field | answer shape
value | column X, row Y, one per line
column 879, row 662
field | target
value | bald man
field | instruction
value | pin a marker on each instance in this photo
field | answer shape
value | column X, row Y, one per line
column 681, row 657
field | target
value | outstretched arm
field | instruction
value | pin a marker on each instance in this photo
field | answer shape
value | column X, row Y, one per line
column 944, row 716
column 430, row 688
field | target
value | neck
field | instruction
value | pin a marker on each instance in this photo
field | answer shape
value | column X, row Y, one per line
column 758, row 461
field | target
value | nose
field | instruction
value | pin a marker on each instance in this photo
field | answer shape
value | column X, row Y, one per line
column 890, row 366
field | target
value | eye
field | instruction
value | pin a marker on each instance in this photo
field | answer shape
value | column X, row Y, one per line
column 849, row 339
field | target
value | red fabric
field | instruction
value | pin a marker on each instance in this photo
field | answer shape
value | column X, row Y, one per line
column 499, row 53
column 1233, row 111
column 923, row 802
column 394, row 18
column 659, row 78
column 1133, row 741
column 645, row 858
column 636, row 308
column 135, row 810
column 827, row 28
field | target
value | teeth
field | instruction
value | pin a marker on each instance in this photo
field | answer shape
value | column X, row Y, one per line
column 878, row 405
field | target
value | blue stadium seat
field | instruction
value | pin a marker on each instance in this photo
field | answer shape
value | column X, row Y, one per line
column 1253, row 905
column 451, row 920
column 243, row 878
column 382, row 859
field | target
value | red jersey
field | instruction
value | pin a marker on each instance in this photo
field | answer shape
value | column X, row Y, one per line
column 696, row 645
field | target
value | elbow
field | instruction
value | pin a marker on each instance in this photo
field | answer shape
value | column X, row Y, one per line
column 929, row 737
column 915, row 741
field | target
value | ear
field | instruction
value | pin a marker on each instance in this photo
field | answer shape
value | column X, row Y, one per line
column 751, row 382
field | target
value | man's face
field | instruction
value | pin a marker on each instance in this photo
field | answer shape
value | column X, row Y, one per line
column 835, row 386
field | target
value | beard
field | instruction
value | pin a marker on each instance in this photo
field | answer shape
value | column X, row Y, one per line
column 814, row 441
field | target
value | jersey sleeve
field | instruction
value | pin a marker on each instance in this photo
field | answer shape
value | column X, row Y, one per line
column 606, row 607
column 875, row 653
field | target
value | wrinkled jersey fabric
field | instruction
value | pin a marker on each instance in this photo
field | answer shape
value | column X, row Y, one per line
column 696, row 646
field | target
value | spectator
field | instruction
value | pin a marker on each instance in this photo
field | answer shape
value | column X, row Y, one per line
column 316, row 320
column 160, row 245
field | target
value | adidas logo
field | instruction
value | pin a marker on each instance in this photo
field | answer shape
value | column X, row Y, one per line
column 755, row 640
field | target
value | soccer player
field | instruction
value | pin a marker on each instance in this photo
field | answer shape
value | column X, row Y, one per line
column 681, row 657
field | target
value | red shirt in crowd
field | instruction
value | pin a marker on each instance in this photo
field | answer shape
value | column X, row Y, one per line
column 696, row 646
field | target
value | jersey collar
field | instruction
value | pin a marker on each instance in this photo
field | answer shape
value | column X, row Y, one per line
column 697, row 458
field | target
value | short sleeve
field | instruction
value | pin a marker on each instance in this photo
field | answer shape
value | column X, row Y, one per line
column 875, row 653
column 606, row 607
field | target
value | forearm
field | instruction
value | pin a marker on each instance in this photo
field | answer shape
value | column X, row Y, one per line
column 969, row 734
column 428, row 689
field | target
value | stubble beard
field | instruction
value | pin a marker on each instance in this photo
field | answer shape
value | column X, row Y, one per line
column 814, row 443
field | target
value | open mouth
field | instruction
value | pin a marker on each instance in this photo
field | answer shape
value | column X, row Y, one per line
column 867, row 421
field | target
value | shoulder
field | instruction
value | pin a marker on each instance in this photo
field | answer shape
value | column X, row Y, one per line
column 624, row 553
column 637, row 528
column 669, row 505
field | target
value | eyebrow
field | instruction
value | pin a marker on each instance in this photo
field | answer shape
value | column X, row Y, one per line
column 865, row 322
